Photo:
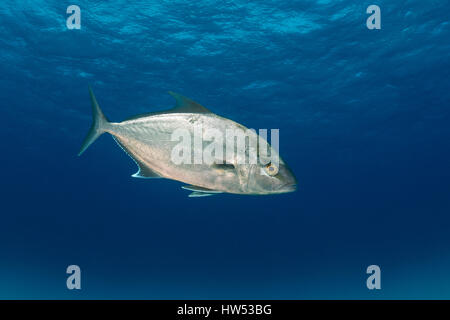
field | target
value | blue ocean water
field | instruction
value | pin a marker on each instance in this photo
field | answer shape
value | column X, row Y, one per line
column 364, row 124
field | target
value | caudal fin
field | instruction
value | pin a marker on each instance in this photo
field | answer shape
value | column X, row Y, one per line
column 99, row 124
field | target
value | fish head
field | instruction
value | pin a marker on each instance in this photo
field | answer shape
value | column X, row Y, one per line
column 271, row 178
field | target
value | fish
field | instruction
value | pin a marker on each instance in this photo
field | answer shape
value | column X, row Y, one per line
column 149, row 140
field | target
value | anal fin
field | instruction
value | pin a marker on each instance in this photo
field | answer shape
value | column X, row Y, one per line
column 143, row 170
column 145, row 173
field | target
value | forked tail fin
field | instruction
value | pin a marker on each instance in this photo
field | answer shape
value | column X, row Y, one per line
column 99, row 124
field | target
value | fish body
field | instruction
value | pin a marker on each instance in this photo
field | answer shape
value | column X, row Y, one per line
column 149, row 140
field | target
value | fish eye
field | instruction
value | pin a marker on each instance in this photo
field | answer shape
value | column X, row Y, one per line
column 271, row 169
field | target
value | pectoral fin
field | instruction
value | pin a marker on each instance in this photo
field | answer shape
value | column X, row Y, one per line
column 200, row 194
column 198, row 189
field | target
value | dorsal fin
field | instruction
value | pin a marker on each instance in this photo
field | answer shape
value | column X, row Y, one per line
column 183, row 105
column 186, row 105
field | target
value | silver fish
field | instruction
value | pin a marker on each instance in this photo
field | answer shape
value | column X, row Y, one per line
column 147, row 139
